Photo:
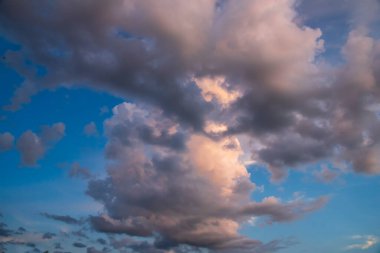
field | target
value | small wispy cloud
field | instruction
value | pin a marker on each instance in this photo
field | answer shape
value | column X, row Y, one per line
column 366, row 242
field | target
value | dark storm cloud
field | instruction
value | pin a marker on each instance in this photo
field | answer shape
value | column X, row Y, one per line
column 63, row 218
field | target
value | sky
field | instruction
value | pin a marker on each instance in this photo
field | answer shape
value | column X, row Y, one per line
column 209, row 126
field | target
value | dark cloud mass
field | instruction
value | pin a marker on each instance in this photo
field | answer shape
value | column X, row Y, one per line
column 210, row 84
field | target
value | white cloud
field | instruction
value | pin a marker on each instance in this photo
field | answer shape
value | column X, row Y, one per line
column 366, row 242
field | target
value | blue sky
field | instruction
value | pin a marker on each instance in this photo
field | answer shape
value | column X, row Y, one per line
column 214, row 126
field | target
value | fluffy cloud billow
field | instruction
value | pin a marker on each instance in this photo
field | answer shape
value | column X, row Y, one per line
column 276, row 90
column 179, row 186
column 33, row 146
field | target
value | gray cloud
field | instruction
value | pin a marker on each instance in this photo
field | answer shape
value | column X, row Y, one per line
column 52, row 133
column 326, row 175
column 79, row 245
column 140, row 58
column 101, row 241
column 4, row 231
column 172, row 194
column 48, row 235
column 32, row 146
column 77, row 171
column 94, row 250
column 21, row 230
column 149, row 59
column 90, row 129
column 63, row 218
column 6, row 141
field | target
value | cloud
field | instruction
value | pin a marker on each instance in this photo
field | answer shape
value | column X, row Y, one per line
column 53, row 133
column 48, row 235
column 325, row 175
column 21, row 96
column 79, row 245
column 4, row 231
column 104, row 110
column 90, row 129
column 368, row 241
column 225, row 65
column 180, row 196
column 6, row 141
column 93, row 250
column 205, row 78
column 63, row 218
column 25, row 240
column 21, row 230
column 101, row 241
column 33, row 146
column 76, row 171
column 280, row 212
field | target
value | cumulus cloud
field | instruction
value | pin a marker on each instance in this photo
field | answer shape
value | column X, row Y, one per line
column 197, row 194
column 32, row 146
column 6, row 141
column 250, row 65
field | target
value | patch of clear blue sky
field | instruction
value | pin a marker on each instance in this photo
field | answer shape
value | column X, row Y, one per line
column 335, row 29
